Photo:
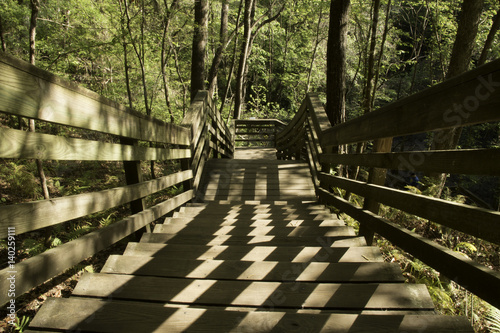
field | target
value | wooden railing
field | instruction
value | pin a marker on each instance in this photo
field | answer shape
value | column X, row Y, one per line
column 471, row 98
column 27, row 91
column 257, row 132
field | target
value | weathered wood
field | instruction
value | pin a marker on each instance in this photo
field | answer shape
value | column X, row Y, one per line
column 450, row 263
column 259, row 294
column 38, row 214
column 36, row 270
column 29, row 145
column 341, row 241
column 299, row 254
column 472, row 220
column 33, row 93
column 467, row 161
column 467, row 99
column 120, row 316
column 255, row 231
column 369, row 272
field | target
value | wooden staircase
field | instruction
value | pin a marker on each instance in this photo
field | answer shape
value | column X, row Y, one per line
column 257, row 255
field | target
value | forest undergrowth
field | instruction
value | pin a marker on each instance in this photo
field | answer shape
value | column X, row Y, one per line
column 449, row 298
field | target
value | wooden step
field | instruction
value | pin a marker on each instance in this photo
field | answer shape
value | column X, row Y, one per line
column 254, row 271
column 258, row 216
column 211, row 221
column 299, row 295
column 94, row 315
column 197, row 229
column 257, row 253
column 340, row 241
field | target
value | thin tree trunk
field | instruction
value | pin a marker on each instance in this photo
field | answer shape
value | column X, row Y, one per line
column 489, row 40
column 240, row 77
column 315, row 50
column 35, row 9
column 200, row 37
column 2, row 38
column 212, row 76
column 233, row 62
column 371, row 59
column 381, row 53
column 459, row 63
column 164, row 58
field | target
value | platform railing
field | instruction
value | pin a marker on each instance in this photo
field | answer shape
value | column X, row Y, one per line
column 257, row 132
column 471, row 98
column 122, row 135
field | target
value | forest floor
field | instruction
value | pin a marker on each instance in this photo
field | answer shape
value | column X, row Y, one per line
column 28, row 304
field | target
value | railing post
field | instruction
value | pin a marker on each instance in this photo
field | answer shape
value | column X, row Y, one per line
column 133, row 175
column 376, row 177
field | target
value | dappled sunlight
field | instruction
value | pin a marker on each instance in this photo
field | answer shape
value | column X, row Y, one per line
column 259, row 253
column 258, row 270
column 307, row 254
column 312, row 271
column 193, row 291
column 256, row 294
column 205, row 268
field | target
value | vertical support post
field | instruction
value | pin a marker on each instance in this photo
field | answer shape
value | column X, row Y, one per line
column 133, row 175
column 377, row 177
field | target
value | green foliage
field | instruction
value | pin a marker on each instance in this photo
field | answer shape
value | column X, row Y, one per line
column 21, row 324
column 20, row 179
column 493, row 320
column 33, row 247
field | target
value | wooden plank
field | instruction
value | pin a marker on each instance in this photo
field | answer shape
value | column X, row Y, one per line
column 236, row 222
column 341, row 241
column 36, row 270
column 33, row 93
column 476, row 278
column 475, row 221
column 467, row 99
column 246, row 293
column 300, row 254
column 28, row 145
column 38, row 214
column 279, row 216
column 291, row 127
column 95, row 315
column 368, row 272
column 466, row 161
column 197, row 229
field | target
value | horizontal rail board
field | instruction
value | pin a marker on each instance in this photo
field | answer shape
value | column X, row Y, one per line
column 31, row 92
column 38, row 269
column 28, row 145
column 247, row 122
column 470, row 98
column 472, row 162
column 472, row 220
column 452, row 264
column 39, row 214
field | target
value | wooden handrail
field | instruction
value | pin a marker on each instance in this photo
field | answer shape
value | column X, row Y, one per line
column 262, row 132
column 471, row 98
column 28, row 91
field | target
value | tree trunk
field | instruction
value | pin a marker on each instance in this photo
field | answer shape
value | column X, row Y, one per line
column 240, row 75
column 459, row 63
column 371, row 59
column 336, row 61
column 200, row 37
column 164, row 58
column 35, row 9
column 233, row 62
column 2, row 39
column 490, row 38
column 212, row 76
column 315, row 49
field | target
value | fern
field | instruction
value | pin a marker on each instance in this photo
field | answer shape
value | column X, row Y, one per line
column 20, row 325
column 493, row 320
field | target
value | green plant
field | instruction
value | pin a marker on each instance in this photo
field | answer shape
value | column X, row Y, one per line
column 20, row 180
column 33, row 246
column 493, row 320
column 20, row 325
